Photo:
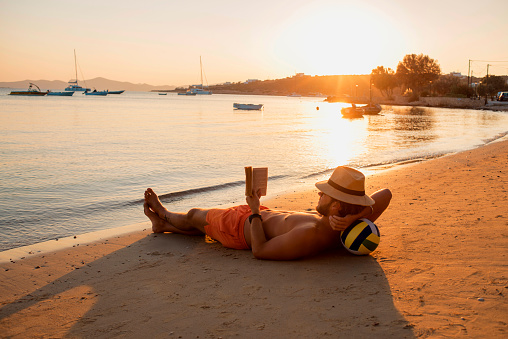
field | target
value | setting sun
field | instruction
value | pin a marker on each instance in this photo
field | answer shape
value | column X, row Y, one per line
column 333, row 39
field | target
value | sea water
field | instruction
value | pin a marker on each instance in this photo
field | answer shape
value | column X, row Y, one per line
column 72, row 165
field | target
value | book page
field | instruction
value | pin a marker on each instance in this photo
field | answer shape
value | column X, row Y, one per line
column 255, row 179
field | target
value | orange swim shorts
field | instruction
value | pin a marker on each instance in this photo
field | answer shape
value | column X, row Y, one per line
column 226, row 225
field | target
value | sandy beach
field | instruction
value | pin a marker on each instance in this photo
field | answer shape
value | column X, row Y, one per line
column 440, row 271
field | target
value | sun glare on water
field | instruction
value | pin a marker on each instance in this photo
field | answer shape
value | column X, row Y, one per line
column 335, row 39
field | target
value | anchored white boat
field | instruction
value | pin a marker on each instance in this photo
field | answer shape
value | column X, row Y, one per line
column 61, row 94
column 96, row 92
column 250, row 107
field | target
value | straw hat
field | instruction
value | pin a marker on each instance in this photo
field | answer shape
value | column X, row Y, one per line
column 348, row 185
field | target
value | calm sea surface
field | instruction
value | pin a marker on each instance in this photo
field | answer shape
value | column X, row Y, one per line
column 72, row 165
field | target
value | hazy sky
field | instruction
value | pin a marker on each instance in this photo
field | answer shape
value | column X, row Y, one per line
column 160, row 42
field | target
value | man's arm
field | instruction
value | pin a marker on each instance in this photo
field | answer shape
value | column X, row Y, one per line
column 297, row 243
column 382, row 199
column 341, row 223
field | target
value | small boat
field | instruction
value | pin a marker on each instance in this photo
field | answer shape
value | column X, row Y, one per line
column 165, row 93
column 33, row 90
column 61, row 94
column 73, row 84
column 352, row 112
column 250, row 107
column 294, row 95
column 116, row 92
column 96, row 92
column 187, row 93
column 359, row 111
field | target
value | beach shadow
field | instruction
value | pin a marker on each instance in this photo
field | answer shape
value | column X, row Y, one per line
column 169, row 284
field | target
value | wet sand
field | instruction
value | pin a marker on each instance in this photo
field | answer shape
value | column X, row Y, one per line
column 440, row 270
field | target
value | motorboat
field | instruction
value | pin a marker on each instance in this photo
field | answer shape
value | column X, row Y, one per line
column 73, row 84
column 165, row 93
column 33, row 90
column 96, row 92
column 352, row 112
column 116, row 92
column 61, row 94
column 359, row 111
column 187, row 93
column 250, row 107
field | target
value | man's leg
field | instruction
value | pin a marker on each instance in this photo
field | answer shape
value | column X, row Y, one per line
column 382, row 199
column 190, row 223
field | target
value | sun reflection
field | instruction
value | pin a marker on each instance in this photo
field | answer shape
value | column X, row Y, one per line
column 338, row 140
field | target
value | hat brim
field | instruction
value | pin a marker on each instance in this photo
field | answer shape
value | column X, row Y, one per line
column 364, row 200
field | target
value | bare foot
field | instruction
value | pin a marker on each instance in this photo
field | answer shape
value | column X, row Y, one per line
column 154, row 203
column 158, row 225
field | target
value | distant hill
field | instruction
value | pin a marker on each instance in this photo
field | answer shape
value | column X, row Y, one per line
column 98, row 83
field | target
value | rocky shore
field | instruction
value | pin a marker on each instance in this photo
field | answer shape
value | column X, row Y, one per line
column 446, row 102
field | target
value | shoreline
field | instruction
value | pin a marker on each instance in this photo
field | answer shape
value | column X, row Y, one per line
column 431, row 102
column 67, row 242
column 78, row 239
column 440, row 270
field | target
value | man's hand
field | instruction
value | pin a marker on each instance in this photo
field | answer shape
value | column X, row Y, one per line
column 254, row 202
column 340, row 224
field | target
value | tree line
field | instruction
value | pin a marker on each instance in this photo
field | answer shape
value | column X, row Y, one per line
column 415, row 76
column 420, row 75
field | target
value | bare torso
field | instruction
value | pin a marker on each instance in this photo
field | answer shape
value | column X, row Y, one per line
column 276, row 223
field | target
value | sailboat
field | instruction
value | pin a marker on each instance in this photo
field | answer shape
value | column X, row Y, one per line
column 73, row 85
column 200, row 90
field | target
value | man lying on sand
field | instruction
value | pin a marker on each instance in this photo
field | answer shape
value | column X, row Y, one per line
column 278, row 235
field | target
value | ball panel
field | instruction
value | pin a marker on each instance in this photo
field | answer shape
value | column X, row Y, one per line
column 351, row 233
column 361, row 237
column 344, row 234
column 369, row 244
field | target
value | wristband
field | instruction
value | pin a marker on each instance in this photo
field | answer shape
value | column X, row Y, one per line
column 252, row 216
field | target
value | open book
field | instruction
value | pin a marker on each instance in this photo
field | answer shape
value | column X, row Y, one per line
column 256, row 178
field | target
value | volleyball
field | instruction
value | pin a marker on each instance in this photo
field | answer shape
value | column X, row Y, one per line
column 361, row 237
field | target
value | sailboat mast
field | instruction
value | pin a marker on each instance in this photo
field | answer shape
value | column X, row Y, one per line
column 201, row 71
column 76, row 67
